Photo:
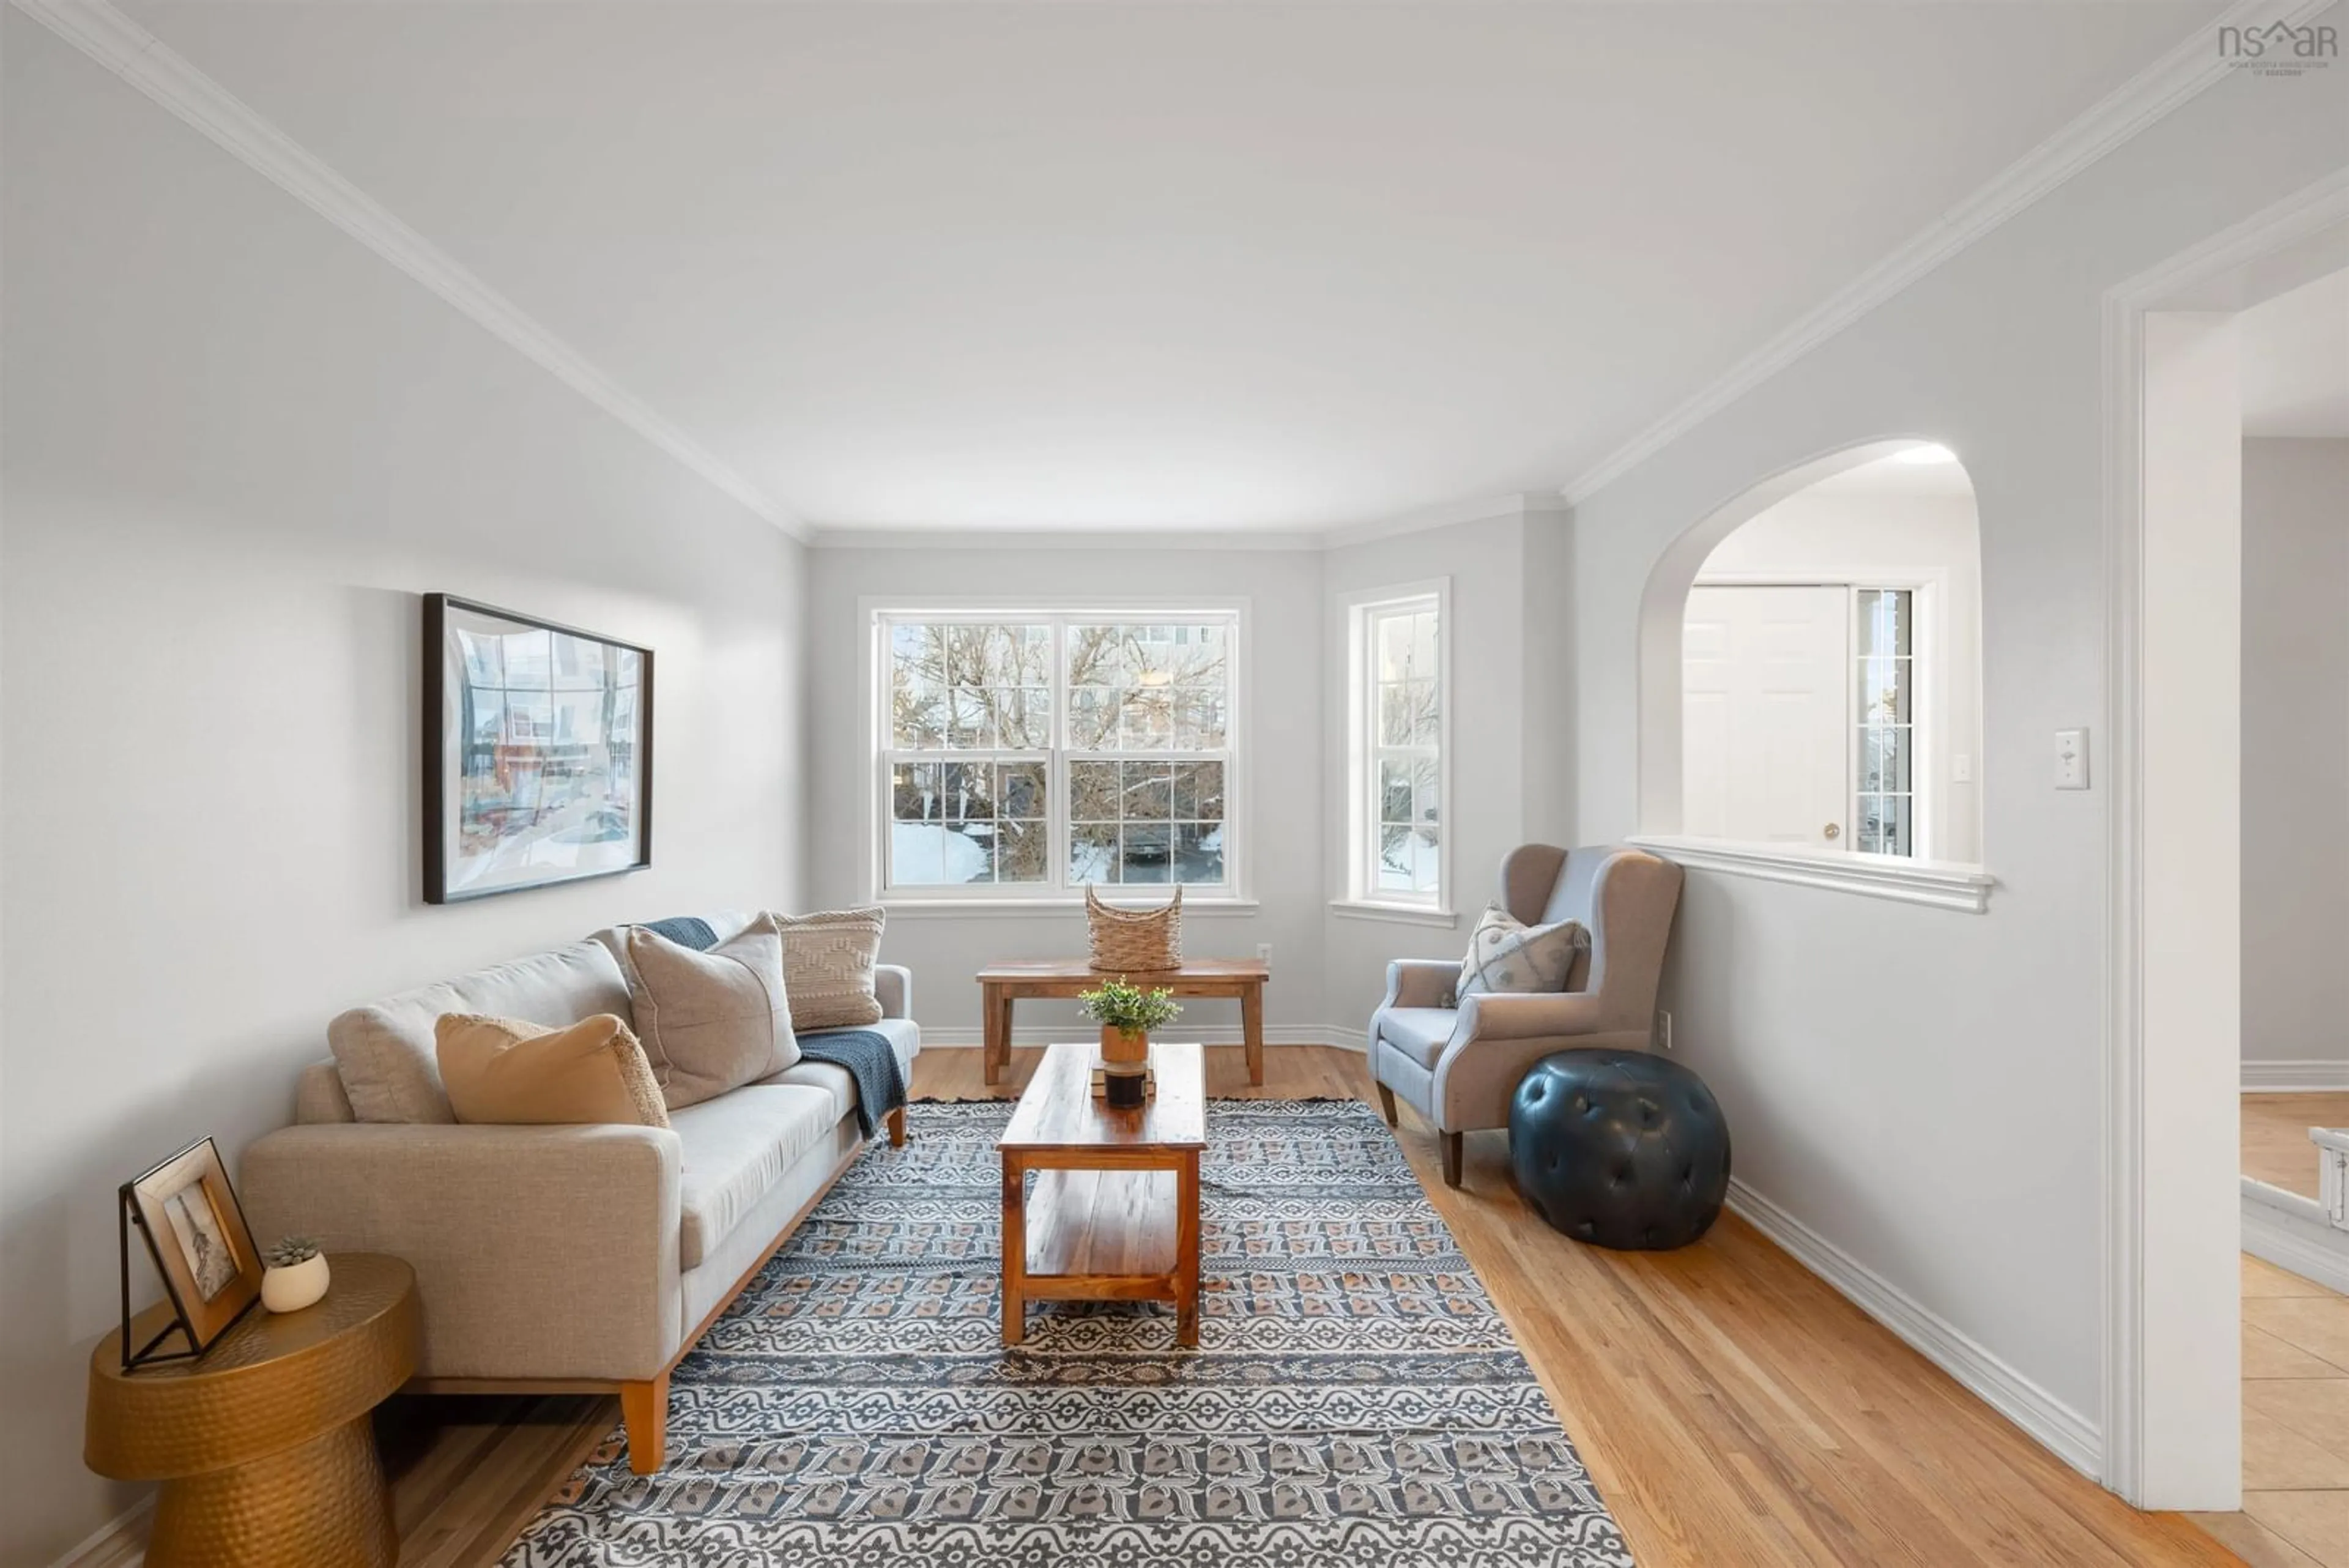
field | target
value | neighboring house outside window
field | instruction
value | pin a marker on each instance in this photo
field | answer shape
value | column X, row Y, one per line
column 1025, row 754
column 1398, row 746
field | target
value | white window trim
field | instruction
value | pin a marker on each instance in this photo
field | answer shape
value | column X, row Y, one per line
column 992, row 899
column 1355, row 899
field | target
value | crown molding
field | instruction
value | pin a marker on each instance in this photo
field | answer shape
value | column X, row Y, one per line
column 1420, row 522
column 1514, row 505
column 143, row 60
column 2141, row 102
column 1047, row 539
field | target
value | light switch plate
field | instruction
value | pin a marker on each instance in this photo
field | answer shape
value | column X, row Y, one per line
column 1961, row 768
column 2071, row 759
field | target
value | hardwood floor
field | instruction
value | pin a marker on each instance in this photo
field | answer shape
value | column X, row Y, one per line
column 2275, row 1136
column 1733, row 1408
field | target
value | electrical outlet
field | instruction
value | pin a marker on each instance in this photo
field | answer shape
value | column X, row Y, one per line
column 1663, row 1030
column 1264, row 953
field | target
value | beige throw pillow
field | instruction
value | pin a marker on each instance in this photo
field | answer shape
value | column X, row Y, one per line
column 828, row 966
column 505, row 1071
column 1505, row 954
column 711, row 1022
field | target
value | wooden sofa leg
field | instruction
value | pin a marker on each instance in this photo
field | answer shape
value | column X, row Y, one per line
column 1386, row 1104
column 644, row 1408
column 897, row 1122
column 1451, row 1159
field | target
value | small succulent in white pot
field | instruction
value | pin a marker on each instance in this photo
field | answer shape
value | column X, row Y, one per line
column 296, row 1275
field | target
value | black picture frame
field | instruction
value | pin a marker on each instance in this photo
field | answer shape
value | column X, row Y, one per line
column 455, row 751
column 200, row 1314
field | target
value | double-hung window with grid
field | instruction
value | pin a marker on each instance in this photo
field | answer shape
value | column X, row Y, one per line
column 1026, row 754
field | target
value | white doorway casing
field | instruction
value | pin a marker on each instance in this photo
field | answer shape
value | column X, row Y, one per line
column 2173, row 548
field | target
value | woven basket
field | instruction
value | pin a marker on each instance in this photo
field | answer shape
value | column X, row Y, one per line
column 1135, row 940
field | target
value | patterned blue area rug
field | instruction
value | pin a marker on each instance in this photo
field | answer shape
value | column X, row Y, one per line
column 1355, row 1402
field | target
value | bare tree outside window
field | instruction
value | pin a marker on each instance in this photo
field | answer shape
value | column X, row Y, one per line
column 1038, row 753
column 1405, row 727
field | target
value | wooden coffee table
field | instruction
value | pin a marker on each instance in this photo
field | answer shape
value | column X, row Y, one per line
column 1114, row 1215
column 1001, row 984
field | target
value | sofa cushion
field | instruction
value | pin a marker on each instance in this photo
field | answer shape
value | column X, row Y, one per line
column 1419, row 1033
column 385, row 1050
column 710, row 1022
column 828, row 966
column 509, row 1072
column 735, row 1148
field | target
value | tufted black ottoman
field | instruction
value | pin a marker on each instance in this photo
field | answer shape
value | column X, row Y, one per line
column 1620, row 1148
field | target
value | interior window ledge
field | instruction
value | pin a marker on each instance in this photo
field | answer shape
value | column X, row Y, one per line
column 1404, row 914
column 921, row 909
column 1936, row 884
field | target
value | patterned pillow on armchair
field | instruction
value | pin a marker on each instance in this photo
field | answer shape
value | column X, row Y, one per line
column 1505, row 954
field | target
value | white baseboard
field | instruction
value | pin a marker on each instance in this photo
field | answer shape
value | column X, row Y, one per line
column 1221, row 1034
column 2291, row 1233
column 2281, row 1076
column 2053, row 1425
column 119, row 1542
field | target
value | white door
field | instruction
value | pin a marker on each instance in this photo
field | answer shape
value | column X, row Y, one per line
column 1762, row 703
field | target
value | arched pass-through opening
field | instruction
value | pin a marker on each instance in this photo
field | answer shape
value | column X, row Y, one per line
column 1819, row 701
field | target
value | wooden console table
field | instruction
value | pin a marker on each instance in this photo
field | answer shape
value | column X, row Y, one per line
column 1116, row 1213
column 1005, row 983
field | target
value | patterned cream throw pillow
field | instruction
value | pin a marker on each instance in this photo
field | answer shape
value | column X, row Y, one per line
column 1505, row 954
column 828, row 966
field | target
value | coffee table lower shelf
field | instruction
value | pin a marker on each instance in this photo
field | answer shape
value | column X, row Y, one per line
column 1128, row 1231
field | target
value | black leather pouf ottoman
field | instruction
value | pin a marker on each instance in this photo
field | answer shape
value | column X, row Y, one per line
column 1620, row 1148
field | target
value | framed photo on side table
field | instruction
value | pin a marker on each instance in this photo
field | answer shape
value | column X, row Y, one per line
column 538, row 752
column 201, row 1245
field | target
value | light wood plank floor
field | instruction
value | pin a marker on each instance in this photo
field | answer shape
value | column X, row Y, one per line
column 2275, row 1136
column 1733, row 1409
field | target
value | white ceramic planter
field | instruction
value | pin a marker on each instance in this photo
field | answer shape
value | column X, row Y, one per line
column 291, row 1289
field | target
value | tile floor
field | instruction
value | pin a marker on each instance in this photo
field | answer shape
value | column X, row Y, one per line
column 2295, row 1424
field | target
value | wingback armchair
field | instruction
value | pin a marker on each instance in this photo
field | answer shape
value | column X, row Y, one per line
column 1457, row 1060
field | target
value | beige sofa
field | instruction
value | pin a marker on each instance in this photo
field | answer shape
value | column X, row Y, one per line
column 558, row 1258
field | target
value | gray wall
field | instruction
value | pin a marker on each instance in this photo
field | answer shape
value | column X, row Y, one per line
column 238, row 446
column 1921, row 1088
column 2295, row 751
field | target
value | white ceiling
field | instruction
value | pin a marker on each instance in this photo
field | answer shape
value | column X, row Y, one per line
column 2295, row 361
column 1218, row 266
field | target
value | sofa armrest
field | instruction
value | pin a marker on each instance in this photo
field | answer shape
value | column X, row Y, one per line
column 539, row 1251
column 1420, row 982
column 893, row 987
column 1524, row 1015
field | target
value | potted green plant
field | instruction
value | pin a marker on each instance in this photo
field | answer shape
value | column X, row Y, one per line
column 1127, row 1013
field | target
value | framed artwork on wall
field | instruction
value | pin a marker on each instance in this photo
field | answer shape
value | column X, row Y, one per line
column 538, row 752
column 201, row 1245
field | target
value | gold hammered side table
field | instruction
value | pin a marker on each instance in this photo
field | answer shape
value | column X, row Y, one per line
column 264, row 1445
